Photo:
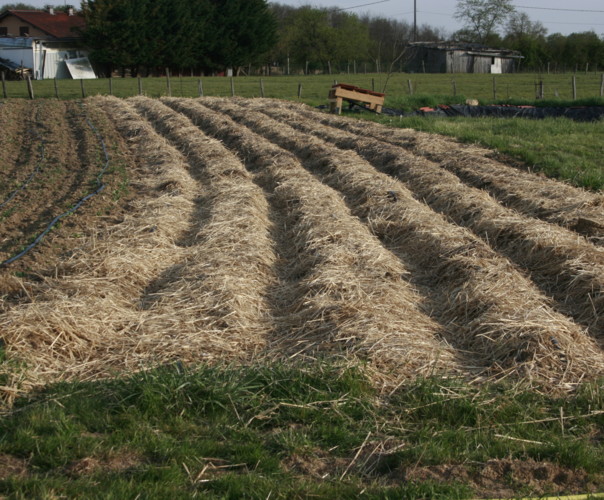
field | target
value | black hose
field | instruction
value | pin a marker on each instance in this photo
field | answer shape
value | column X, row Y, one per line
column 54, row 222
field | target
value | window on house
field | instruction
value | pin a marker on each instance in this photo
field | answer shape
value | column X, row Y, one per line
column 3, row 31
column 23, row 30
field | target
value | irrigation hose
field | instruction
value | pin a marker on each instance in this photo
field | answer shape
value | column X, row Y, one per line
column 54, row 222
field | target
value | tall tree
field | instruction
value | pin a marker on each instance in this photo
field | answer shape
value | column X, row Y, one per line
column 18, row 6
column 482, row 18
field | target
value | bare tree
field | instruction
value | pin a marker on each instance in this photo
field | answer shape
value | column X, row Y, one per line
column 483, row 18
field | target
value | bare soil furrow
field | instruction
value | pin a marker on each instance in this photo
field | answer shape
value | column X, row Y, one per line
column 351, row 295
column 532, row 194
column 491, row 308
column 17, row 145
column 563, row 264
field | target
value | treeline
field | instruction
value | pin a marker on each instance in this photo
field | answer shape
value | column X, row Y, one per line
column 147, row 36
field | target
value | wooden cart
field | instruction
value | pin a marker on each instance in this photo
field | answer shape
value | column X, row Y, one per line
column 344, row 92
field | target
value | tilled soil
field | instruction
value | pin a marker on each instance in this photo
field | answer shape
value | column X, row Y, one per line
column 262, row 229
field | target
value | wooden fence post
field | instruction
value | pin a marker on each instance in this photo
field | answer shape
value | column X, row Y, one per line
column 56, row 85
column 574, row 87
column 410, row 85
column 541, row 90
column 494, row 88
column 299, row 90
column 4, row 86
column 373, row 84
column 232, row 87
column 110, row 85
column 261, row 88
column 602, row 86
column 200, row 87
column 30, row 88
column 140, row 86
column 169, row 83
column 82, row 87
column 454, row 85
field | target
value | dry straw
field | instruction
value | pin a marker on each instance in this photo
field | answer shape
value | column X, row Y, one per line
column 342, row 293
column 533, row 195
column 563, row 264
column 491, row 308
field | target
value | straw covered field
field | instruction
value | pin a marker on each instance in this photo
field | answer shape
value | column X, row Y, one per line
column 235, row 230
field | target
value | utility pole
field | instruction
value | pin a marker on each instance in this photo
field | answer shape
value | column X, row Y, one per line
column 415, row 20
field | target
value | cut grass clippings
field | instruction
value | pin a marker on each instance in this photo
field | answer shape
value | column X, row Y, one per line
column 291, row 432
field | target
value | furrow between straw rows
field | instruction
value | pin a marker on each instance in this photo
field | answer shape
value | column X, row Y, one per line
column 533, row 195
column 83, row 322
column 565, row 266
column 349, row 294
column 218, row 296
column 491, row 308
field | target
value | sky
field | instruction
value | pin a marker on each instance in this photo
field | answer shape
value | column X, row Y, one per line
column 439, row 13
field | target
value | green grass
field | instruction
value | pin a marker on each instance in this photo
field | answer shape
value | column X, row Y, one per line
column 520, row 86
column 156, row 432
column 558, row 147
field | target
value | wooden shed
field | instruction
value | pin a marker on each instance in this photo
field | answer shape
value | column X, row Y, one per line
column 449, row 57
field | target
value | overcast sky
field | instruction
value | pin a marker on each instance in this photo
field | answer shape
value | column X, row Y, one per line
column 439, row 13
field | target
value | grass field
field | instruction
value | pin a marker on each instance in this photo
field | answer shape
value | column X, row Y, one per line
column 311, row 306
column 314, row 91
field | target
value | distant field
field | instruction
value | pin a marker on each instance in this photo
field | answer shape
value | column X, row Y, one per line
column 523, row 86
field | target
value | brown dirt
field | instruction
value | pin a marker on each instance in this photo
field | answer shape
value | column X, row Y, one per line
column 12, row 467
column 505, row 478
column 118, row 462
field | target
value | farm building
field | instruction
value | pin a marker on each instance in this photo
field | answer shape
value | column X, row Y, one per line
column 43, row 43
column 448, row 57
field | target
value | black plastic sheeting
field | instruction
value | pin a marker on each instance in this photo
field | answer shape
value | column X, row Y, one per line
column 578, row 113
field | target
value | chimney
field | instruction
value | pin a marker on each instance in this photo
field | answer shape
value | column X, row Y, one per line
column 70, row 11
column 51, row 11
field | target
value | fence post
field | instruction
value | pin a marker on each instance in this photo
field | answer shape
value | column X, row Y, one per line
column 541, row 90
column 200, row 87
column 373, row 84
column 4, row 86
column 140, row 86
column 574, row 87
column 30, row 88
column 602, row 86
column 299, row 90
column 110, row 85
column 454, row 85
column 168, row 82
column 410, row 85
column 56, row 85
column 261, row 88
column 494, row 88
column 232, row 87
column 82, row 87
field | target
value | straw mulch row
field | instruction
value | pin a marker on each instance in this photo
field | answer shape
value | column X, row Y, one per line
column 493, row 313
column 344, row 293
column 215, row 302
column 564, row 265
column 531, row 194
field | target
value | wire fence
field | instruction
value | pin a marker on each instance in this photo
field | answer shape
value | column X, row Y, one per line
column 314, row 88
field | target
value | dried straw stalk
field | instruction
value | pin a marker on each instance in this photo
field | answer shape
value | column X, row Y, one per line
column 564, row 265
column 492, row 309
column 344, row 292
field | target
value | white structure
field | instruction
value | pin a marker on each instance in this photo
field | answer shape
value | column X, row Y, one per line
column 45, row 58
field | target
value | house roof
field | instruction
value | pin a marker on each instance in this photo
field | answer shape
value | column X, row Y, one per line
column 57, row 25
